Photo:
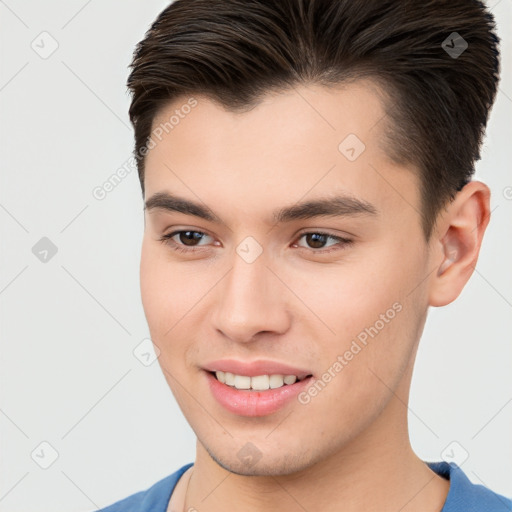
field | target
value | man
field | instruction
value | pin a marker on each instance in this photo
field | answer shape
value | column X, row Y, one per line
column 306, row 170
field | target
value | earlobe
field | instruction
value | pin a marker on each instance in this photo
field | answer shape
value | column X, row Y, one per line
column 459, row 233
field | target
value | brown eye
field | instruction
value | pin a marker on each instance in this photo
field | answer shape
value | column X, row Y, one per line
column 184, row 240
column 316, row 241
column 190, row 237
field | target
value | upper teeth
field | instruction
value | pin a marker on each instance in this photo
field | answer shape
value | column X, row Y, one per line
column 260, row 383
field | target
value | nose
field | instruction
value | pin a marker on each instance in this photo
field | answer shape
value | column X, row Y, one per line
column 251, row 300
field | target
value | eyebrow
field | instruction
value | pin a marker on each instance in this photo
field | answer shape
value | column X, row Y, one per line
column 338, row 206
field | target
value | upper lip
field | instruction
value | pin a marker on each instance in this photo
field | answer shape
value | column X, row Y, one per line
column 255, row 368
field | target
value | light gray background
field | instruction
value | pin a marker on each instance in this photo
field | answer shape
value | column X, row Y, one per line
column 69, row 326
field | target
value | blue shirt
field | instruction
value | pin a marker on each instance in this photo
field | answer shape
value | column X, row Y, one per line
column 463, row 496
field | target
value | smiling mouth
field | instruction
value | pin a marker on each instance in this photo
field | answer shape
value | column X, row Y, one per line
column 256, row 383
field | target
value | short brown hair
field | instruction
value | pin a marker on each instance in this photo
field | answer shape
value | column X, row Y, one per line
column 234, row 51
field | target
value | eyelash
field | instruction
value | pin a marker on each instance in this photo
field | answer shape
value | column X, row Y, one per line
column 167, row 240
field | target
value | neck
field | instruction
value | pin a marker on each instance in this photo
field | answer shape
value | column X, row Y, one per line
column 377, row 470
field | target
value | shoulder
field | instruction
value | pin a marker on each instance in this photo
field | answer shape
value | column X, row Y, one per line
column 154, row 499
column 466, row 496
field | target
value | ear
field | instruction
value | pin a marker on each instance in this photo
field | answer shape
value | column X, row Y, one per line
column 456, row 241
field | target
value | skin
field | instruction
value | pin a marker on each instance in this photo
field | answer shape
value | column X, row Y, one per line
column 299, row 306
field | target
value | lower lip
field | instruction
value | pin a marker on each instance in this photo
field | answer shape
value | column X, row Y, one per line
column 254, row 403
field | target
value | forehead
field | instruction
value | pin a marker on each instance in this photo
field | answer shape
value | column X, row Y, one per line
column 308, row 140
column 330, row 111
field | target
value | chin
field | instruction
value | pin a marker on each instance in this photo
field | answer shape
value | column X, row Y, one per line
column 266, row 465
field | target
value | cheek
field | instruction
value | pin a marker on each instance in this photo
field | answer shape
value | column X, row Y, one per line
column 164, row 305
column 171, row 295
column 160, row 290
column 352, row 296
column 372, row 308
column 150, row 284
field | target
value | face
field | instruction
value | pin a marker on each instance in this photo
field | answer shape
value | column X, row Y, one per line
column 304, row 249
